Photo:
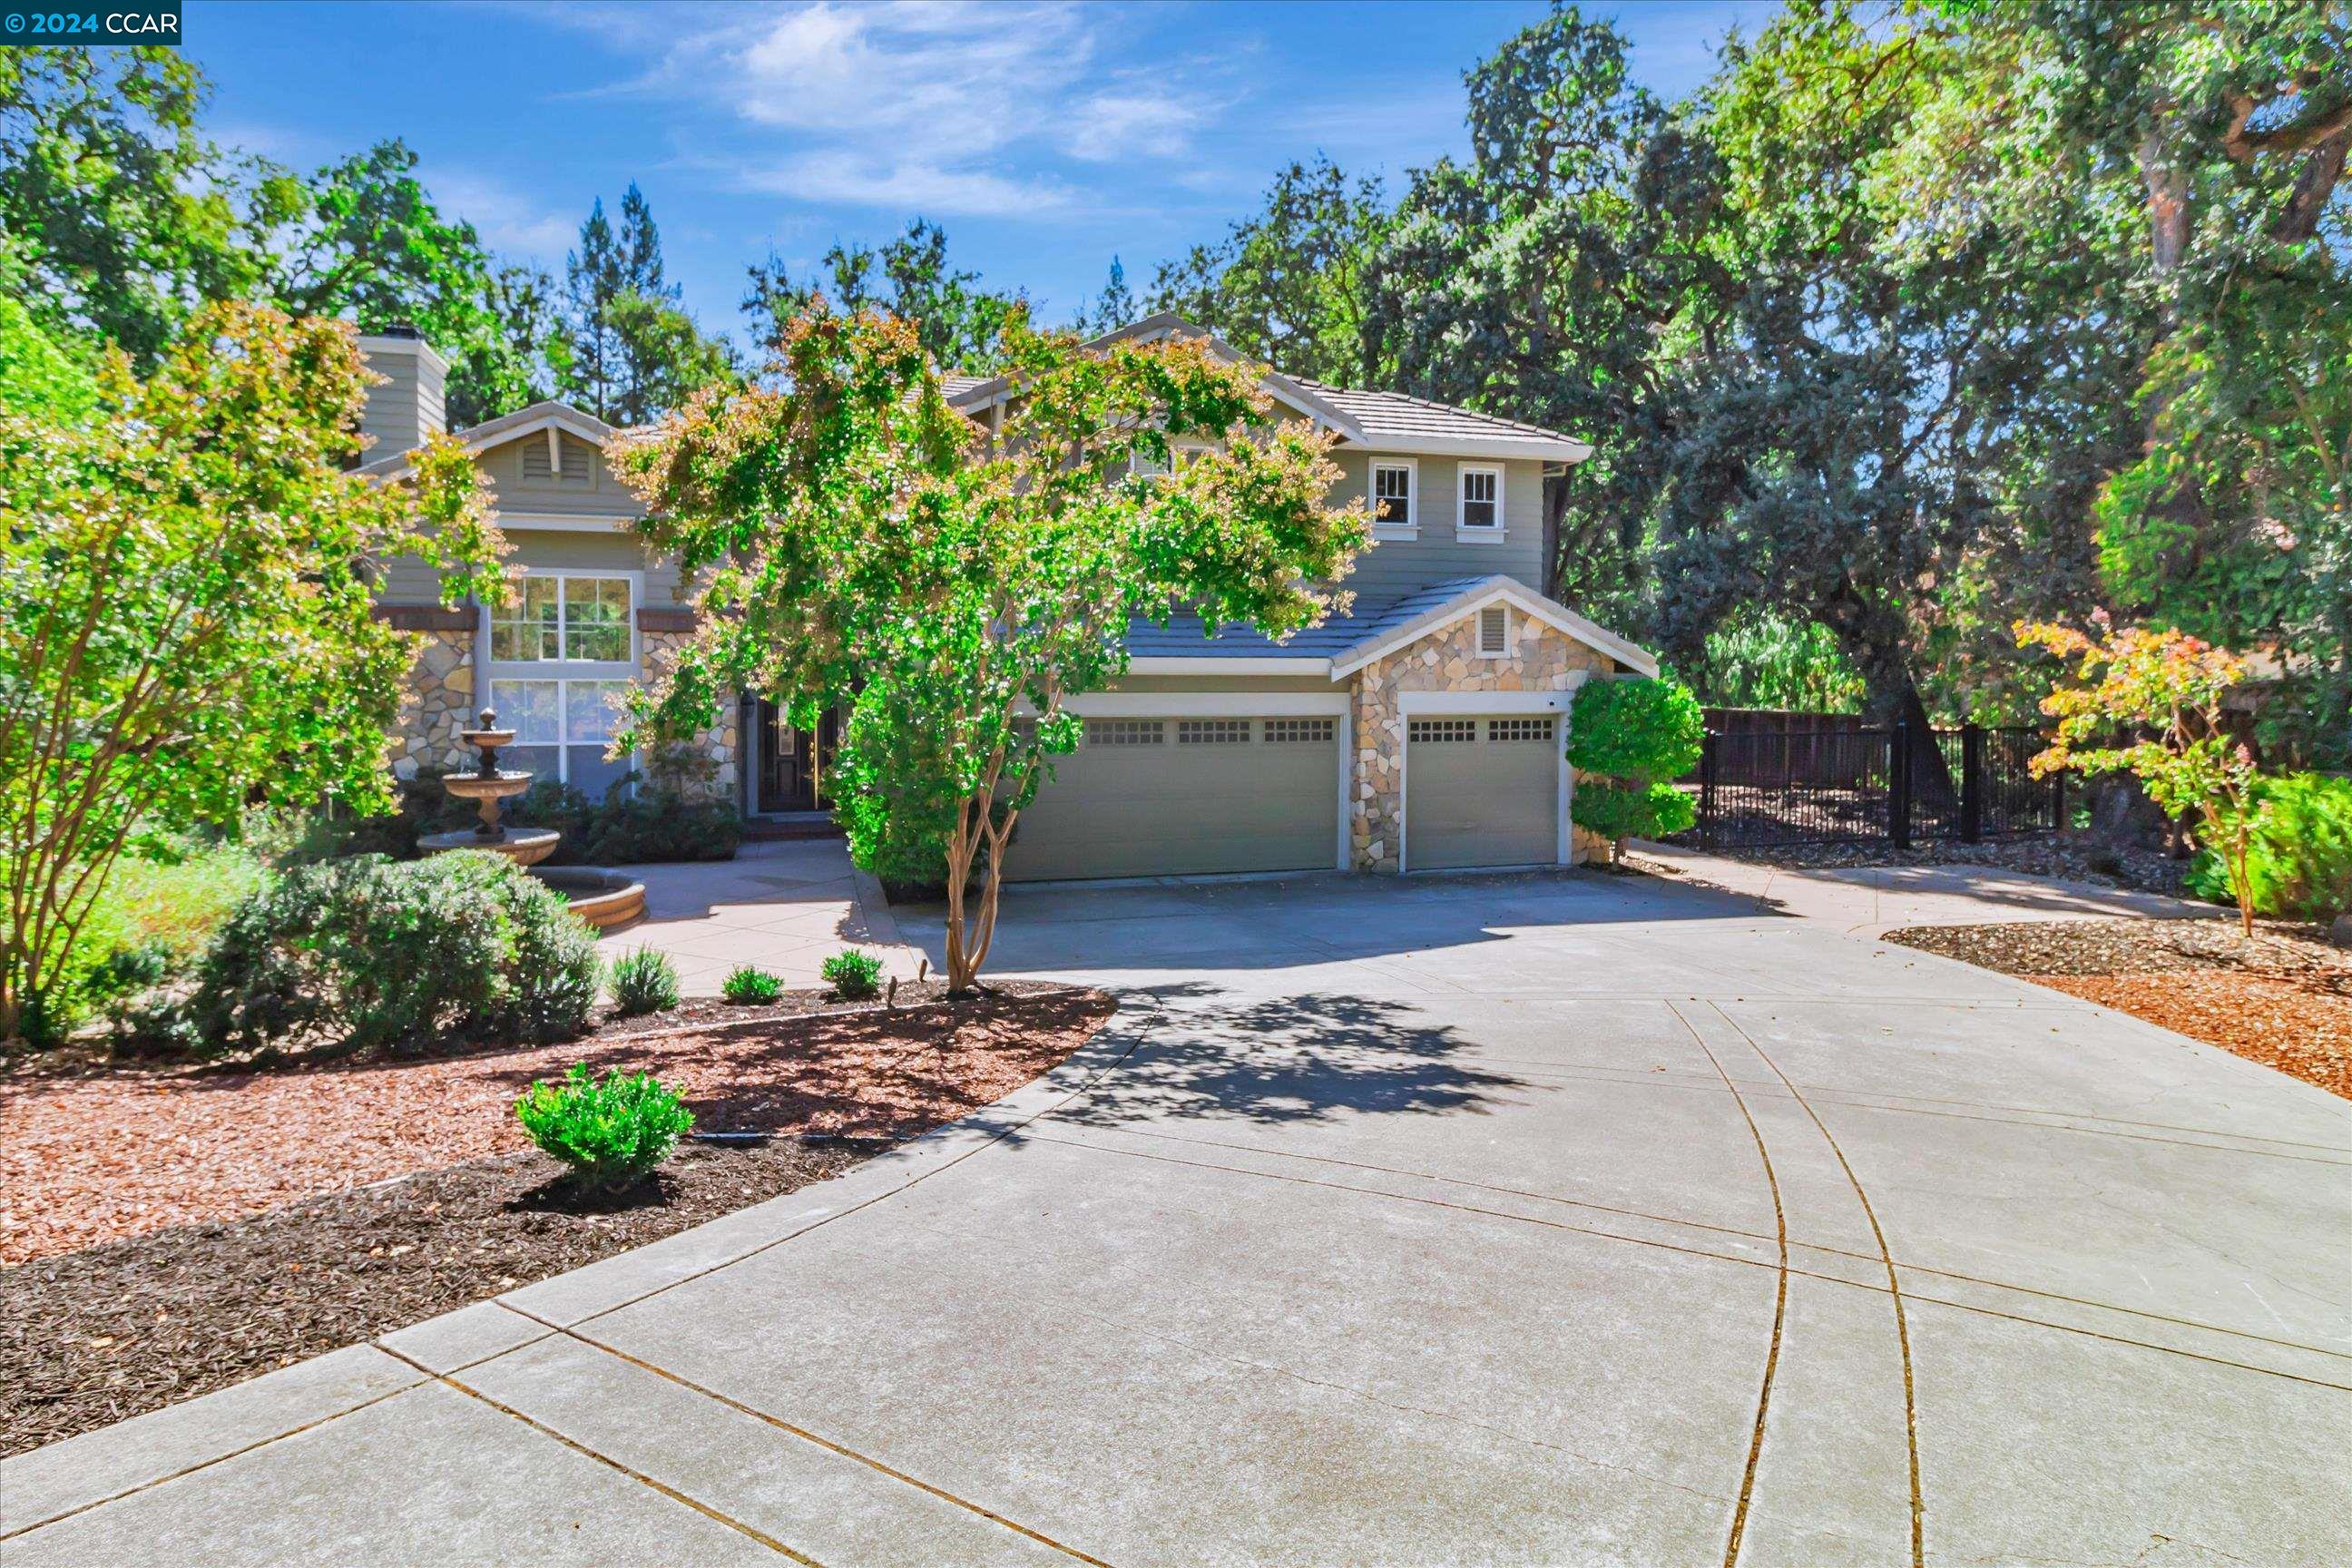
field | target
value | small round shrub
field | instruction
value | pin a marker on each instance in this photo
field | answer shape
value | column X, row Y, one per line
column 372, row 953
column 750, row 985
column 642, row 982
column 612, row 1129
column 853, row 975
column 1633, row 736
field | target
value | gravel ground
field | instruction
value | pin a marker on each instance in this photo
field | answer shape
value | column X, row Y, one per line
column 93, row 1157
column 114, row 1330
column 2283, row 999
column 2074, row 857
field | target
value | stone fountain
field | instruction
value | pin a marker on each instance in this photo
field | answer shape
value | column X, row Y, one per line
column 603, row 898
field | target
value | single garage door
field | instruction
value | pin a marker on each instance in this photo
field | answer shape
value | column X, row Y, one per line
column 1170, row 797
column 1482, row 792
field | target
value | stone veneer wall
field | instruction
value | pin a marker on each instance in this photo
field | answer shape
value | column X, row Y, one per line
column 439, row 701
column 1542, row 659
column 721, row 742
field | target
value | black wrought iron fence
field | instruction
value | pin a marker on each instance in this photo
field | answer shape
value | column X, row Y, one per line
column 1756, row 787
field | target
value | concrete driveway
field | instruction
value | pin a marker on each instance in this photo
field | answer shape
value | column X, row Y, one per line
column 1548, row 1219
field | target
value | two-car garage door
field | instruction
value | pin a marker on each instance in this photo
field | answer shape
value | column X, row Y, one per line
column 1165, row 797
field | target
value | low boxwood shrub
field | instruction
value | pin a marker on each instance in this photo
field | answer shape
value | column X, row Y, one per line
column 642, row 982
column 371, row 953
column 2299, row 861
column 747, row 984
column 853, row 975
column 612, row 1130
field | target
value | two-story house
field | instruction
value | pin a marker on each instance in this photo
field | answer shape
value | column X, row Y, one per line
column 1422, row 730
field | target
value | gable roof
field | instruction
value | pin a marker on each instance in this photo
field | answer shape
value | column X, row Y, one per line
column 1371, row 421
column 1345, row 644
column 550, row 415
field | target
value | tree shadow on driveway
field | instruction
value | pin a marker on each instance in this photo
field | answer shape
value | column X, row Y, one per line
column 1310, row 1057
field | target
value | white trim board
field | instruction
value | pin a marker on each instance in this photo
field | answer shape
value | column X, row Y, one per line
column 1208, row 705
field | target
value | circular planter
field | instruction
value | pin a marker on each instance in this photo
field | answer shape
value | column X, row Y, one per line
column 523, row 846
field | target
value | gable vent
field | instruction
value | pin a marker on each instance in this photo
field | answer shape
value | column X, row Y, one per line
column 537, row 465
column 1494, row 631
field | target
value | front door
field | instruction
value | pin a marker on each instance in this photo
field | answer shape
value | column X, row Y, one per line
column 796, row 765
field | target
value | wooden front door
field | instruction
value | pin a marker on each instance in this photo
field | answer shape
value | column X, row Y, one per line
column 796, row 765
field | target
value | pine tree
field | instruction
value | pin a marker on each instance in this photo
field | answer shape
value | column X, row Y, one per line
column 593, row 277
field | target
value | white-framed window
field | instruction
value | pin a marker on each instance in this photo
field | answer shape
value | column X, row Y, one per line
column 562, row 728
column 565, row 618
column 1481, row 503
column 1393, row 513
column 1493, row 632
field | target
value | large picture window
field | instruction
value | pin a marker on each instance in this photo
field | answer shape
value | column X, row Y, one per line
column 562, row 728
column 560, row 617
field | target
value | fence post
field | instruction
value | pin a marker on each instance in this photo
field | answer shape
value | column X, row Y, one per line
column 1972, row 780
column 2058, row 822
column 1898, row 784
column 1707, row 790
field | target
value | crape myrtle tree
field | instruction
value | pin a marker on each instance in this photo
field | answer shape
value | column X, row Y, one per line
column 185, row 572
column 963, row 583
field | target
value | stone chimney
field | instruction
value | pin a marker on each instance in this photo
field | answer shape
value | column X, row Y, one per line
column 409, row 405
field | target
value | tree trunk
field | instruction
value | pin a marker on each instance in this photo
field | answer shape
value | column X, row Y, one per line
column 1555, row 509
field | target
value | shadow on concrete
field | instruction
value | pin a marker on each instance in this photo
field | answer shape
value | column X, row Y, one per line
column 1291, row 1059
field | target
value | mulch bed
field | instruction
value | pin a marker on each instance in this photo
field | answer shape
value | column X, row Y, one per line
column 114, row 1330
column 2283, row 999
column 173, row 1231
column 93, row 1157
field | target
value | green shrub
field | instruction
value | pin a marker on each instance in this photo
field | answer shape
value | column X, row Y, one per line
column 1633, row 736
column 611, row 1131
column 653, row 824
column 145, row 927
column 853, row 974
column 747, row 984
column 2299, row 863
column 375, row 953
column 642, row 982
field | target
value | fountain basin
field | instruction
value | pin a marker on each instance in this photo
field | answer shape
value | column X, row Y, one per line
column 603, row 898
column 523, row 846
column 486, row 787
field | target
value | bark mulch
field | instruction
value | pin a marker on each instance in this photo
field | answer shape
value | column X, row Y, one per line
column 114, row 1330
column 2069, row 856
column 176, row 1231
column 91, row 1158
column 2283, row 999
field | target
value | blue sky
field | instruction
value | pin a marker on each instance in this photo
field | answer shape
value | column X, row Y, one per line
column 1046, row 138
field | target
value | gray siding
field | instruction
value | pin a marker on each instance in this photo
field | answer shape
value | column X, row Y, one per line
column 408, row 408
column 1391, row 567
column 518, row 471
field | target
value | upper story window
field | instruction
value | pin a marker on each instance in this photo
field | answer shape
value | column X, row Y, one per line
column 1482, row 502
column 563, row 617
column 1392, row 509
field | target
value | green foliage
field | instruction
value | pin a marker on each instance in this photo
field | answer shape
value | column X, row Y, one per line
column 1760, row 658
column 631, row 825
column 1640, row 731
column 631, row 352
column 1619, row 812
column 1293, row 284
column 2298, row 865
column 749, row 986
column 853, row 975
column 186, row 586
column 370, row 955
column 642, row 982
column 960, row 326
column 1634, row 736
column 612, row 1130
column 861, row 541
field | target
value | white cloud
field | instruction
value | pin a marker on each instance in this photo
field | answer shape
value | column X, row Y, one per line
column 511, row 223
column 941, row 107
